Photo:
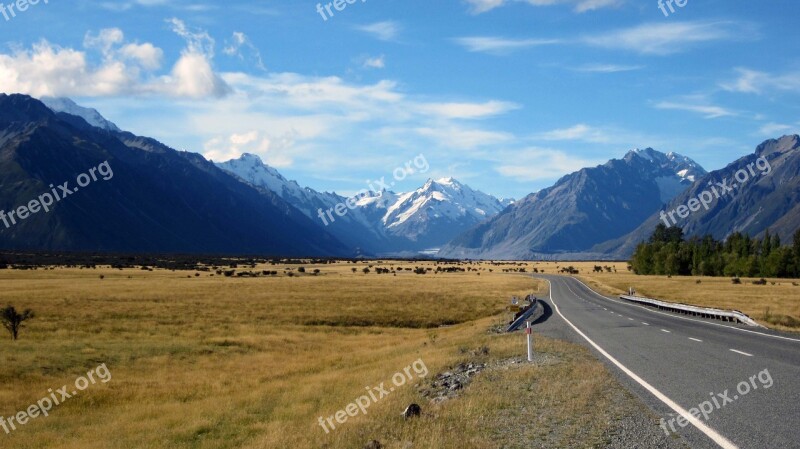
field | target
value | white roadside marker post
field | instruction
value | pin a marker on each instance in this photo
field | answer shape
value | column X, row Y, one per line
column 529, row 334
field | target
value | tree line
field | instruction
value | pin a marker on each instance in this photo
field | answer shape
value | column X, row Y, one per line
column 668, row 253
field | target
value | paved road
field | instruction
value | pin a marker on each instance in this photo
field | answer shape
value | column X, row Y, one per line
column 673, row 363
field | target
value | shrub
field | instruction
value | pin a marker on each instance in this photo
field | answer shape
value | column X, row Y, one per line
column 12, row 320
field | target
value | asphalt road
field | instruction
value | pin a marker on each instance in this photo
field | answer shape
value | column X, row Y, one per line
column 746, row 379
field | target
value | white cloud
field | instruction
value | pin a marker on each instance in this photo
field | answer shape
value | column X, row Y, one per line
column 324, row 112
column 124, row 69
column 756, row 82
column 147, row 55
column 385, row 31
column 274, row 151
column 580, row 132
column 460, row 138
column 777, row 129
column 707, row 110
column 197, row 41
column 606, row 68
column 579, row 6
column 194, row 77
column 104, row 41
column 500, row 45
column 48, row 70
column 467, row 110
column 375, row 63
column 538, row 164
column 238, row 42
column 666, row 38
column 650, row 39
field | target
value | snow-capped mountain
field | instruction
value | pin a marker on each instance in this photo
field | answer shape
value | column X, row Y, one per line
column 68, row 106
column 770, row 200
column 583, row 209
column 440, row 208
column 672, row 172
column 382, row 222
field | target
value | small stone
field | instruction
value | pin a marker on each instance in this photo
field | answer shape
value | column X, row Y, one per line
column 374, row 444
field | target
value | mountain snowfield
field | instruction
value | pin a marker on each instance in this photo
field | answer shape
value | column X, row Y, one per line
column 68, row 106
column 382, row 222
column 681, row 171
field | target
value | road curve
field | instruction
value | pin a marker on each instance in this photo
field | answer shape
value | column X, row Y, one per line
column 676, row 363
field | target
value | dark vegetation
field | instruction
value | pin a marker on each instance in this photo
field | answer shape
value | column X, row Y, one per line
column 13, row 320
column 668, row 253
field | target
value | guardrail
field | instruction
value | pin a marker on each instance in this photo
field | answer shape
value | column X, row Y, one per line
column 533, row 313
column 704, row 312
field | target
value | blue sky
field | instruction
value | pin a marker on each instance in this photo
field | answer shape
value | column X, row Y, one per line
column 504, row 95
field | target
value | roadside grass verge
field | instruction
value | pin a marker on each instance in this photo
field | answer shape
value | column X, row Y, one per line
column 775, row 304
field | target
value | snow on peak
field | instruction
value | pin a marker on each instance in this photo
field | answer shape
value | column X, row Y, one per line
column 444, row 197
column 646, row 153
column 68, row 106
column 252, row 169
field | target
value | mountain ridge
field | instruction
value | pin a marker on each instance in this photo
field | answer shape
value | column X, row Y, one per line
column 145, row 207
column 577, row 213
column 381, row 222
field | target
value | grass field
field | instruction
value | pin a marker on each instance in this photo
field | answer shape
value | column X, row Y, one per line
column 226, row 362
column 776, row 304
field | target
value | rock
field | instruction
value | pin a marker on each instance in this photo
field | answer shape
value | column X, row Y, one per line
column 413, row 410
column 374, row 444
column 438, row 400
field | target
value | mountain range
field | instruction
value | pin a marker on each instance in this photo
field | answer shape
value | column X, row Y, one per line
column 381, row 222
column 159, row 200
column 582, row 209
column 763, row 192
column 165, row 201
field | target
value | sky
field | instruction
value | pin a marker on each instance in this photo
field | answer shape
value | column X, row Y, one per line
column 506, row 96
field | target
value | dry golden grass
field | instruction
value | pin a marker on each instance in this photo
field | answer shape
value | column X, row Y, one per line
column 776, row 306
column 216, row 362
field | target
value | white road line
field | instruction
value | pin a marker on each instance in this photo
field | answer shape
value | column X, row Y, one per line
column 742, row 353
column 664, row 330
column 695, row 339
column 645, row 323
column 711, row 433
column 630, row 319
column 684, row 318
